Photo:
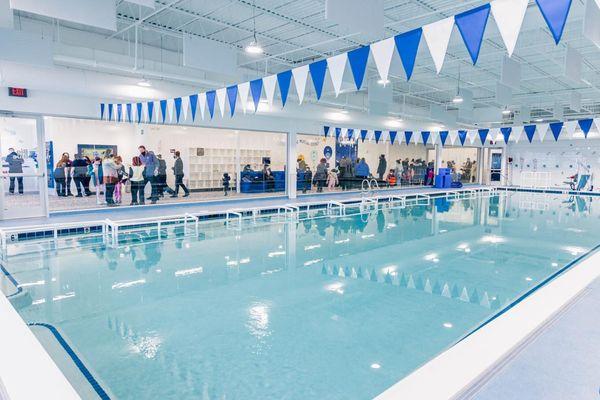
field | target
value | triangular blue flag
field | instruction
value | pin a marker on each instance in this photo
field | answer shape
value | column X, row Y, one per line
column 284, row 79
column 471, row 25
column 555, row 13
column 338, row 132
column 110, row 112
column 407, row 136
column 529, row 131
column 102, row 106
column 150, row 106
column 506, row 133
column 377, row 136
column 163, row 110
column 425, row 136
column 128, row 106
column 177, row 102
column 358, row 64
column 363, row 134
column 585, row 125
column 407, row 45
column 193, row 105
column 139, row 112
column 317, row 72
column 443, row 137
column 556, row 128
column 393, row 136
column 462, row 136
column 210, row 101
column 232, row 93
column 326, row 130
column 119, row 112
column 256, row 90
column 483, row 133
column 350, row 134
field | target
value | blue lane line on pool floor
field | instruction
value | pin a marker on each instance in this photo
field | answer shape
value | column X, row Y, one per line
column 76, row 360
column 531, row 291
column 12, row 280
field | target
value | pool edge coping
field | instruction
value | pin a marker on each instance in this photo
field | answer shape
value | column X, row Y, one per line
column 462, row 365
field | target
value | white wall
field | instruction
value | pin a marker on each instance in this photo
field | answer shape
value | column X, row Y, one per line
column 560, row 159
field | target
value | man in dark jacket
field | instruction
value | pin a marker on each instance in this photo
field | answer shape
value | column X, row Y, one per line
column 80, row 170
column 150, row 163
column 15, row 166
column 178, row 172
column 161, row 177
column 382, row 167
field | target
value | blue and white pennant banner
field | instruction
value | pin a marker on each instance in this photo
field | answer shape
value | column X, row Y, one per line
column 471, row 25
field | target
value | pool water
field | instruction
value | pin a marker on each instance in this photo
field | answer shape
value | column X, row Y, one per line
column 321, row 308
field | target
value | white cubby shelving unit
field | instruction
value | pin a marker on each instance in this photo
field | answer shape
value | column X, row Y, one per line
column 207, row 165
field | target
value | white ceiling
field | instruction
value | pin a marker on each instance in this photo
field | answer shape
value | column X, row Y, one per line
column 295, row 32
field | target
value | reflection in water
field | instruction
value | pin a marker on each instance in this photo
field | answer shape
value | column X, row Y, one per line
column 258, row 320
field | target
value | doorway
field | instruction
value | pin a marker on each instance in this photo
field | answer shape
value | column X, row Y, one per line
column 23, row 172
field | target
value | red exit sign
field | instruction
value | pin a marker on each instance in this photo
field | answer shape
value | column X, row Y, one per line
column 17, row 92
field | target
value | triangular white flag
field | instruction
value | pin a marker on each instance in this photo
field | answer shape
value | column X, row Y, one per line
column 170, row 108
column 221, row 98
column 337, row 66
column 185, row 105
column 472, row 135
column 596, row 121
column 244, row 91
column 156, row 112
column 495, row 135
column 382, row 54
column 144, row 112
column 202, row 104
column 270, row 83
column 344, row 133
column 437, row 36
column 570, row 127
column 542, row 129
column 453, row 135
column 300, row 76
column 516, row 133
column 509, row 16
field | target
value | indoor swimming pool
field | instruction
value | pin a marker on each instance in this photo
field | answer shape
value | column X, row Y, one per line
column 308, row 305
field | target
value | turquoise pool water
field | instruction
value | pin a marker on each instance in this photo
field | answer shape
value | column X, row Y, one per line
column 323, row 308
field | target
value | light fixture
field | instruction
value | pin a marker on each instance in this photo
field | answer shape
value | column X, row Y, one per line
column 144, row 83
column 539, row 120
column 458, row 98
column 506, row 111
column 394, row 123
column 254, row 47
column 383, row 82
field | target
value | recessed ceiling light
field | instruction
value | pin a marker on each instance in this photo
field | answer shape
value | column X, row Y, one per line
column 144, row 83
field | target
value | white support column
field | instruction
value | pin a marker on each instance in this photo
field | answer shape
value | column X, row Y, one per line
column 290, row 166
column 438, row 158
column 43, row 170
column 238, row 164
column 481, row 167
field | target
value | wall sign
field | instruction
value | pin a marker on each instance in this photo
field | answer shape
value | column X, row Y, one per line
column 328, row 152
column 17, row 92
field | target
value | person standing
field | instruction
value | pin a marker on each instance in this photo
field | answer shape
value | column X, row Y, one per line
column 110, row 169
column 362, row 169
column 161, row 177
column 80, row 167
column 136, row 178
column 150, row 163
column 178, row 172
column 15, row 166
column 382, row 167
column 68, row 172
column 226, row 179
column 321, row 175
column 60, row 178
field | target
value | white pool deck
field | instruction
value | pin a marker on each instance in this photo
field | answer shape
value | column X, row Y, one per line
column 547, row 346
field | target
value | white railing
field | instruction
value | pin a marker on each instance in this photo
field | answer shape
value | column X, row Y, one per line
column 332, row 205
column 114, row 227
column 542, row 180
